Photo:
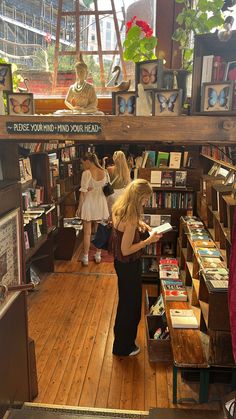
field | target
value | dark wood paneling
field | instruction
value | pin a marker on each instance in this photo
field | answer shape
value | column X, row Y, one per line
column 14, row 373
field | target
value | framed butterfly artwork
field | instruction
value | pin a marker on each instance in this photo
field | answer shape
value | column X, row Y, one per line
column 20, row 104
column 149, row 74
column 217, row 97
column 124, row 103
column 167, row 102
column 5, row 78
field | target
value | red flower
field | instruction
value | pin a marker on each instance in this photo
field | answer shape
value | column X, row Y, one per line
column 129, row 24
column 149, row 33
column 143, row 25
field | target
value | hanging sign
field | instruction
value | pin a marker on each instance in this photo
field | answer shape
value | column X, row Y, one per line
column 84, row 128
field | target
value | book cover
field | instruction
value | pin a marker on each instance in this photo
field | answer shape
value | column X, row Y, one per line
column 170, row 284
column 198, row 237
column 162, row 159
column 183, row 319
column 168, row 275
column 175, row 159
column 167, row 178
column 180, row 178
column 185, row 159
column 207, row 262
column 209, row 252
column 217, row 273
column 151, row 161
column 163, row 228
column 169, row 267
column 204, row 243
column 176, row 295
column 145, row 157
column 215, row 285
column 155, row 179
column 169, row 261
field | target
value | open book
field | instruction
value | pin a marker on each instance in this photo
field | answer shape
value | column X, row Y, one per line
column 183, row 319
column 163, row 228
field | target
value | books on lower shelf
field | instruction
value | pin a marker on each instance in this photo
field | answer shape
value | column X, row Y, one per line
column 183, row 319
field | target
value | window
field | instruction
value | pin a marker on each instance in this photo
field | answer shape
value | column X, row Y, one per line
column 28, row 36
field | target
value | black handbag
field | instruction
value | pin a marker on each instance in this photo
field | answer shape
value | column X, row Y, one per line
column 102, row 236
column 108, row 189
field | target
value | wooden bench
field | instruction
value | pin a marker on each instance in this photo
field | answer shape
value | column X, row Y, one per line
column 187, row 353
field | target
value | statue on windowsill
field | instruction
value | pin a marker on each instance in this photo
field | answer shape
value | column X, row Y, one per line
column 81, row 98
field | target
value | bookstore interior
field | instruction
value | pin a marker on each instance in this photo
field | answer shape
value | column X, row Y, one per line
column 186, row 149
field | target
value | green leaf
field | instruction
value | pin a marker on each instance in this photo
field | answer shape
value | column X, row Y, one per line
column 133, row 33
column 179, row 1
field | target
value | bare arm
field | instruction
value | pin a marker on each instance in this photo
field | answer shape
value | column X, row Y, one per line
column 81, row 200
column 127, row 246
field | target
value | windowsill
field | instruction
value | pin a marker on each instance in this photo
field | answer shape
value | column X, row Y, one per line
column 45, row 105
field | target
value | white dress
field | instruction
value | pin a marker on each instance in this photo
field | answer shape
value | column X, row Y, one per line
column 94, row 206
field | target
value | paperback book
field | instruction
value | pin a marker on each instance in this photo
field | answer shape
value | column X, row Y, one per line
column 164, row 228
column 183, row 319
column 167, row 179
column 204, row 243
column 217, row 285
column 180, row 178
column 208, row 262
column 211, row 252
column 175, row 295
column 162, row 159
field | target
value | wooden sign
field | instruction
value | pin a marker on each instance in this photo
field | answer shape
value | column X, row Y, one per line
column 83, row 128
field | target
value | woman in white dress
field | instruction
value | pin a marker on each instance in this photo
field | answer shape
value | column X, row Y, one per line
column 120, row 177
column 92, row 202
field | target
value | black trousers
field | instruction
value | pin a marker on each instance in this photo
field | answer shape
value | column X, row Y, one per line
column 129, row 306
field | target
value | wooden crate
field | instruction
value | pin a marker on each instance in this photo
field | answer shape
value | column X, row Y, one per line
column 158, row 350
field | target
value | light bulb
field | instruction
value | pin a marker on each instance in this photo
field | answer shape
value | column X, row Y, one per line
column 226, row 32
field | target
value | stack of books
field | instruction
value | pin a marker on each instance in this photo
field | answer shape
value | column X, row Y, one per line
column 183, row 319
column 172, row 286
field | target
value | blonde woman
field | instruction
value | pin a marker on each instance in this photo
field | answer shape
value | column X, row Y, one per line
column 92, row 202
column 119, row 175
column 127, row 224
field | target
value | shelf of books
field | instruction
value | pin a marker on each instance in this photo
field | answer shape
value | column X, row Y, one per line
column 50, row 189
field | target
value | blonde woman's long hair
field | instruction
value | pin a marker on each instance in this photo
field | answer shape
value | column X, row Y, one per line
column 128, row 207
column 93, row 158
column 121, row 170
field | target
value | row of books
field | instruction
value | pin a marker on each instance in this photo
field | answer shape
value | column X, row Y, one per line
column 174, row 290
column 177, row 179
column 52, row 145
column 37, row 221
column 213, row 267
column 32, row 197
column 172, row 286
column 174, row 200
column 224, row 153
column 172, row 159
column 25, row 170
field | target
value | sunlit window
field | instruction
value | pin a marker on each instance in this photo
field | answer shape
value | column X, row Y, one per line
column 29, row 37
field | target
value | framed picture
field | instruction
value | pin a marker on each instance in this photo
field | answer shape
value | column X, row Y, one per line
column 167, row 102
column 5, row 78
column 10, row 256
column 217, row 97
column 230, row 74
column 149, row 74
column 123, row 103
column 20, row 103
column 144, row 105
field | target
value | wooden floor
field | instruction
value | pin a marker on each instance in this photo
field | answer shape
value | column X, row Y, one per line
column 71, row 319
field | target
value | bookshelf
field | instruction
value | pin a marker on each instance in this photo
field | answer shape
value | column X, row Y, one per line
column 13, row 310
column 209, row 45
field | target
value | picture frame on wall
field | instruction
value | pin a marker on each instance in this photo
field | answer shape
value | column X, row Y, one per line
column 124, row 103
column 230, row 75
column 149, row 73
column 10, row 251
column 20, row 103
column 167, row 102
column 217, row 97
column 6, row 84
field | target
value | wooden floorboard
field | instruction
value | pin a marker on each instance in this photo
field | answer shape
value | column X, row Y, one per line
column 71, row 320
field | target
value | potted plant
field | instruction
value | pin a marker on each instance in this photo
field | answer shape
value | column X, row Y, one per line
column 203, row 17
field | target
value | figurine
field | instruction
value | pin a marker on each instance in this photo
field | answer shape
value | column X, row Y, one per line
column 143, row 102
column 114, row 82
column 81, row 97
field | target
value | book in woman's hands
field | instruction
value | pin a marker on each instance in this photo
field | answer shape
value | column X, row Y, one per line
column 163, row 228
